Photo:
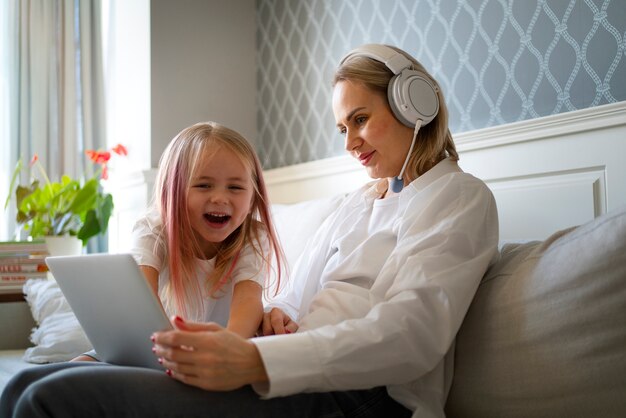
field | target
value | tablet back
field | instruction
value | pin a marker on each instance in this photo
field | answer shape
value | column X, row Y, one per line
column 114, row 304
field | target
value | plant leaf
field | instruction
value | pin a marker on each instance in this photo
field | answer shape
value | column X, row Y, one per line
column 16, row 172
column 86, row 197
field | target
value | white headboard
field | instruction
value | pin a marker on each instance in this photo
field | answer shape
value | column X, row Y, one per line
column 547, row 173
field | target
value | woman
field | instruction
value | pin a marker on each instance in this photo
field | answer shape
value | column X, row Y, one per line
column 371, row 311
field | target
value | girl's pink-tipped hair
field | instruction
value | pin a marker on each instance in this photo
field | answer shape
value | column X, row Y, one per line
column 176, row 170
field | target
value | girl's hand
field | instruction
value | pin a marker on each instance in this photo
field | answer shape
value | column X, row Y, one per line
column 208, row 356
column 277, row 322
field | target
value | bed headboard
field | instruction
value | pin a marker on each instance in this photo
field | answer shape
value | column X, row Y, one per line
column 547, row 173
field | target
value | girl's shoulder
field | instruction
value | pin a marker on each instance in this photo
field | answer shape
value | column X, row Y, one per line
column 150, row 222
column 259, row 236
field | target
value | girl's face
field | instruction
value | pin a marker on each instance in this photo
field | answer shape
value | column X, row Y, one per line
column 220, row 198
column 372, row 133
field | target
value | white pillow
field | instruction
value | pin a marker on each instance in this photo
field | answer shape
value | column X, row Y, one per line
column 59, row 336
column 297, row 223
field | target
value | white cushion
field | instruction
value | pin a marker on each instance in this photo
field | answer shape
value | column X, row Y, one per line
column 297, row 223
column 58, row 336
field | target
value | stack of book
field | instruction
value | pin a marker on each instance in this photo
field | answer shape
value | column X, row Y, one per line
column 21, row 261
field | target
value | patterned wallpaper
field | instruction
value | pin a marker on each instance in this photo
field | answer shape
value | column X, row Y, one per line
column 498, row 61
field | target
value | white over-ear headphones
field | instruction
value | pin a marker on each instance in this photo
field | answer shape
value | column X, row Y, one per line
column 411, row 94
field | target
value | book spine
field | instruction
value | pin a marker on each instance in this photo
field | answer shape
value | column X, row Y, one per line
column 26, row 259
column 12, row 289
column 23, row 251
column 23, row 268
column 23, row 246
column 8, row 278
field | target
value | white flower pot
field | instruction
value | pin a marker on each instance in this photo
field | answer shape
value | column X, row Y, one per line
column 63, row 245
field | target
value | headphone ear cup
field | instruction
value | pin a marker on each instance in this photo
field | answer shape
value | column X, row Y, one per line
column 411, row 97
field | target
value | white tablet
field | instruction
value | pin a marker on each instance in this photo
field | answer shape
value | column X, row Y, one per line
column 114, row 304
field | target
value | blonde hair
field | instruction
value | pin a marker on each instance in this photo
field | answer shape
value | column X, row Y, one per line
column 176, row 170
column 434, row 141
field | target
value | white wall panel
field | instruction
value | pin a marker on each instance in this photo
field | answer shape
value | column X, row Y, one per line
column 533, row 207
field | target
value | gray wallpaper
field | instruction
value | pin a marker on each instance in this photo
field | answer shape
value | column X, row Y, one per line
column 498, row 61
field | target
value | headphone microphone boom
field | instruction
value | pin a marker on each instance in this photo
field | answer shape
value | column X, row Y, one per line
column 397, row 183
column 411, row 94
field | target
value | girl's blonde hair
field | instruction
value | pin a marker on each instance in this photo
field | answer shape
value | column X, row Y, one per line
column 176, row 170
column 434, row 141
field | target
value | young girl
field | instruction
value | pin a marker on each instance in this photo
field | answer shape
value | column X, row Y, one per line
column 207, row 245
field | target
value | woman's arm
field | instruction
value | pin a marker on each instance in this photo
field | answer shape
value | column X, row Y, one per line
column 246, row 309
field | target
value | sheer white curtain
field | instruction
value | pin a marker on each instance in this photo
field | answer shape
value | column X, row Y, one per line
column 7, row 130
column 54, row 103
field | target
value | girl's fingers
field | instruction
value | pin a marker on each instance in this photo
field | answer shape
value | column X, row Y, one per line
column 291, row 327
column 278, row 320
column 266, row 326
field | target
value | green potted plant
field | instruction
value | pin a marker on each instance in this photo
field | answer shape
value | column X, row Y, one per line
column 71, row 207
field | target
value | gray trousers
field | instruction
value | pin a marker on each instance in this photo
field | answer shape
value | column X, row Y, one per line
column 84, row 389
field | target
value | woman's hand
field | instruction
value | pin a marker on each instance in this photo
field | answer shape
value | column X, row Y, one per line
column 277, row 322
column 208, row 356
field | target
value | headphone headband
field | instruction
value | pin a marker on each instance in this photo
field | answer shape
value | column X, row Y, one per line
column 395, row 61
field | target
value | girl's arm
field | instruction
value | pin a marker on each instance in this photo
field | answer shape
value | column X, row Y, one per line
column 152, row 276
column 246, row 309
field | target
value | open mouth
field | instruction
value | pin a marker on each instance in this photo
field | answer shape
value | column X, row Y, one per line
column 217, row 218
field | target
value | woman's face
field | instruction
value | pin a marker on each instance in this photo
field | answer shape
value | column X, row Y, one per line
column 372, row 133
column 219, row 199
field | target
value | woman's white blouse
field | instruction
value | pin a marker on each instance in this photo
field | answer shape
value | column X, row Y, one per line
column 148, row 250
column 381, row 290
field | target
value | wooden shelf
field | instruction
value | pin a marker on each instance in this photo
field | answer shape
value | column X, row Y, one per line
column 12, row 296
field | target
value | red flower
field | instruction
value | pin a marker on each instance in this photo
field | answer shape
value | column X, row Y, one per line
column 34, row 160
column 103, row 157
column 120, row 149
column 98, row 157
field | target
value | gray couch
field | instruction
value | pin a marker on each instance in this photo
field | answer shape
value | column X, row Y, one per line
column 546, row 333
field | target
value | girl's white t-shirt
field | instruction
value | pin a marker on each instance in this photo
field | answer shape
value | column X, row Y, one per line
column 149, row 250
